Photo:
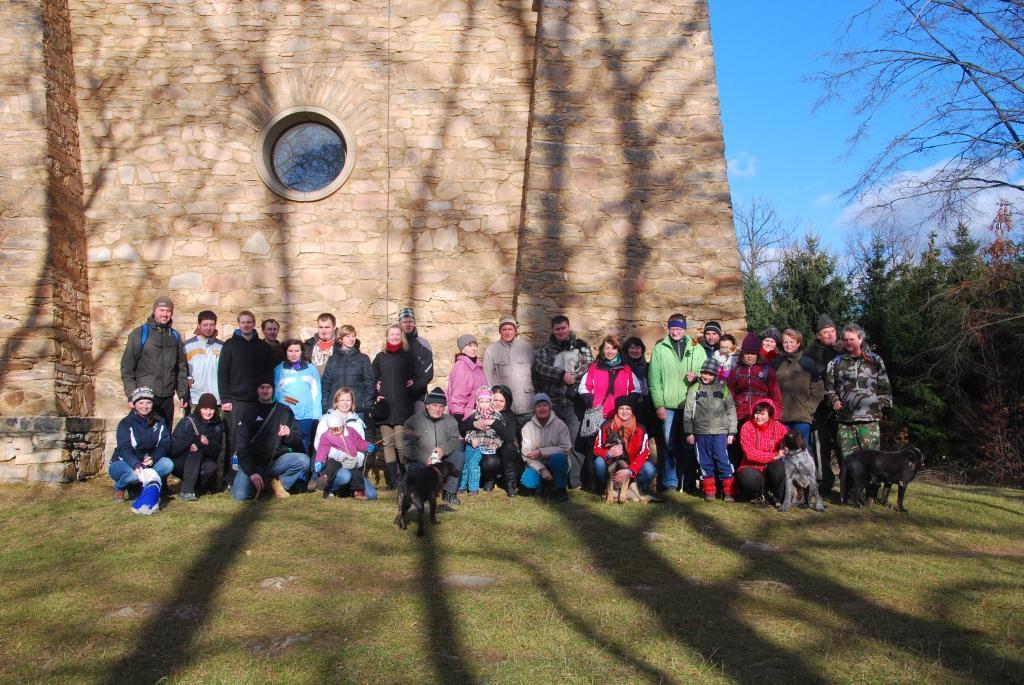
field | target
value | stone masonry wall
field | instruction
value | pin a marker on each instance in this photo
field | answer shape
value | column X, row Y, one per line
column 51, row 448
column 44, row 330
column 173, row 95
column 28, row 348
column 628, row 214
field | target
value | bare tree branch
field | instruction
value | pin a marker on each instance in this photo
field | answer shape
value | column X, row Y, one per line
column 960, row 63
column 762, row 237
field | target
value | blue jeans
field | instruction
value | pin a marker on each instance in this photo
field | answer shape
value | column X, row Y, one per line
column 643, row 479
column 124, row 475
column 306, row 427
column 289, row 468
column 344, row 477
column 558, row 465
column 667, row 462
column 805, row 430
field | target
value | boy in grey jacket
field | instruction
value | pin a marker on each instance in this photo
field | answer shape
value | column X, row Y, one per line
column 709, row 420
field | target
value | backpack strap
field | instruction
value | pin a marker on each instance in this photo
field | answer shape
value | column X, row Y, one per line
column 194, row 426
column 145, row 336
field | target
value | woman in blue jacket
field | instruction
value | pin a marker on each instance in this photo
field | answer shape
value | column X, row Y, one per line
column 143, row 441
column 297, row 386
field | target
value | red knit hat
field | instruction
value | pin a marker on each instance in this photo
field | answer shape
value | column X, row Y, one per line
column 751, row 343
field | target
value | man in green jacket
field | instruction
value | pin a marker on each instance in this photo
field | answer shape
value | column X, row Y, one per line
column 675, row 365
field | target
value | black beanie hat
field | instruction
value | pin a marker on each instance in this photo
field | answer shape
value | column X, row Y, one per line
column 436, row 396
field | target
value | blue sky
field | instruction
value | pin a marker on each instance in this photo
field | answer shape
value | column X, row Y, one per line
column 777, row 146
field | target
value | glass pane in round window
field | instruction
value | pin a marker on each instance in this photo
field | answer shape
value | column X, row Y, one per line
column 308, row 156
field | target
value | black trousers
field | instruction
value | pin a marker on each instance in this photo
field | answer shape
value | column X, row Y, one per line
column 231, row 420
column 825, row 434
column 196, row 472
column 752, row 483
column 164, row 408
column 504, row 462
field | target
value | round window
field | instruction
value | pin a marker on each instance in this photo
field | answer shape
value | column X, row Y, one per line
column 308, row 157
column 304, row 153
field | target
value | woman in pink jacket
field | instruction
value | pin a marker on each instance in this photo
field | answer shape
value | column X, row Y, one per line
column 608, row 378
column 466, row 378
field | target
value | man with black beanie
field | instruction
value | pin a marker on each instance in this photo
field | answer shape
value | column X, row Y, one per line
column 269, row 447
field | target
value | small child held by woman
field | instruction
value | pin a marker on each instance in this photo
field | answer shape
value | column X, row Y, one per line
column 480, row 442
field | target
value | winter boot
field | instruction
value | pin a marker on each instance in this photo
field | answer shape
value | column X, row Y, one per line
column 510, row 480
column 709, row 488
column 391, row 474
column 729, row 489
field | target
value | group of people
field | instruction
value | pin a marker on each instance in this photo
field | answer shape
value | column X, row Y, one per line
column 309, row 414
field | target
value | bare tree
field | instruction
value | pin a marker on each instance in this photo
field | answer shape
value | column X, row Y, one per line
column 959, row 64
column 762, row 238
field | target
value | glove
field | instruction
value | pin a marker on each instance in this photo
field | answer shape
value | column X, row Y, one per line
column 371, row 449
column 318, row 468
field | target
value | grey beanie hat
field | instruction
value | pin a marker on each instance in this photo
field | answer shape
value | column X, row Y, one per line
column 142, row 393
column 466, row 339
column 824, row 321
column 773, row 333
column 163, row 301
column 541, row 397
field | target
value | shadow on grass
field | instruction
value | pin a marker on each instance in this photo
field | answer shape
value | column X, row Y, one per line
column 444, row 644
column 711, row 618
column 933, row 638
column 705, row 617
column 165, row 643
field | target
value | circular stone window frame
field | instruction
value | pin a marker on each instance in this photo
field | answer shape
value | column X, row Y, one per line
column 283, row 121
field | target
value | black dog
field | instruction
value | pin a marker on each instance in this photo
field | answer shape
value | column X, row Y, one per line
column 420, row 485
column 866, row 469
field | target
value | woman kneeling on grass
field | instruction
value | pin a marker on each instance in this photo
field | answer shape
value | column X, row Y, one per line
column 346, row 445
column 196, row 444
column 761, row 472
column 143, row 441
column 621, row 447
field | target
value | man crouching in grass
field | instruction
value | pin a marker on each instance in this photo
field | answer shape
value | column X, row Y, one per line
column 269, row 447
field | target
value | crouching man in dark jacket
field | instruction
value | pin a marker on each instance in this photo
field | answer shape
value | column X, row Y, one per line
column 269, row 447
column 431, row 436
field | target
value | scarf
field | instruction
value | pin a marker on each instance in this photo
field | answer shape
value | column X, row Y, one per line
column 393, row 347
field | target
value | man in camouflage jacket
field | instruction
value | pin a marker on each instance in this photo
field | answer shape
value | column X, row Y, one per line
column 857, row 388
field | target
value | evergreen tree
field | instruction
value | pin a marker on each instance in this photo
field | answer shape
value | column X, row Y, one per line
column 806, row 286
column 755, row 299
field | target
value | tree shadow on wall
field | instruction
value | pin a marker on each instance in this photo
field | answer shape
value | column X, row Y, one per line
column 563, row 115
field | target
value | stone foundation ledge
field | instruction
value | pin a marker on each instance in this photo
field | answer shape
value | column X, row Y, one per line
column 51, row 449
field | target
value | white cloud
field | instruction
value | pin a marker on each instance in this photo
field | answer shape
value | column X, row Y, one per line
column 899, row 205
column 826, row 199
column 743, row 165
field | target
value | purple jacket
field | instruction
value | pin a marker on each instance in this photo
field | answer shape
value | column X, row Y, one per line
column 464, row 381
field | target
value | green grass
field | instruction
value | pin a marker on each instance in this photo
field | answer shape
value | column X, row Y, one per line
column 582, row 595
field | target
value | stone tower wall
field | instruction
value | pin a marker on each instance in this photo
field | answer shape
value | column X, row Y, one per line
column 45, row 362
column 173, row 95
column 628, row 216
column 582, row 172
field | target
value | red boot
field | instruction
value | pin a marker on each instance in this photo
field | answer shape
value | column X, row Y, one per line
column 729, row 489
column 709, row 489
